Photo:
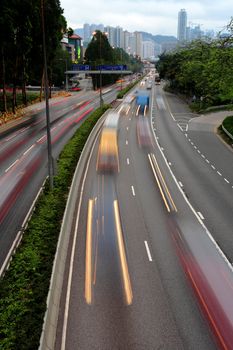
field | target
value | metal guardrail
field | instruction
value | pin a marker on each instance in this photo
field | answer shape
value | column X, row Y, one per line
column 48, row 335
column 227, row 132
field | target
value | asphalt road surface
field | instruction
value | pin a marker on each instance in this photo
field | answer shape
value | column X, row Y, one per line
column 146, row 272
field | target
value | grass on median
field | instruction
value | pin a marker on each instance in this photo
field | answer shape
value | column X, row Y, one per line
column 127, row 89
column 24, row 288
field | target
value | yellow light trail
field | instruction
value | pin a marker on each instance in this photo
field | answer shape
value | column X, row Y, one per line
column 88, row 263
column 160, row 188
column 166, row 188
column 123, row 260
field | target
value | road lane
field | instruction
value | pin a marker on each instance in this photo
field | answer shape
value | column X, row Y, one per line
column 164, row 312
column 206, row 180
column 30, row 135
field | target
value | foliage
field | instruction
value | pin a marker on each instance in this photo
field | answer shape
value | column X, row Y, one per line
column 24, row 288
column 202, row 70
column 127, row 89
column 228, row 124
column 100, row 52
column 21, row 41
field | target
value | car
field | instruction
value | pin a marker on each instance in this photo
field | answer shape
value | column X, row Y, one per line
column 75, row 88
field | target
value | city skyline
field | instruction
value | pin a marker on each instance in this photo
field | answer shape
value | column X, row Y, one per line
column 155, row 17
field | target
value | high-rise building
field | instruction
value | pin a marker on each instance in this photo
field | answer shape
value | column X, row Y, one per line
column 182, row 25
column 119, row 38
column 111, row 35
column 86, row 32
column 148, row 49
column 138, row 42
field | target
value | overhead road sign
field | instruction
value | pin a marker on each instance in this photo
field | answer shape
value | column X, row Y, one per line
column 110, row 67
column 102, row 71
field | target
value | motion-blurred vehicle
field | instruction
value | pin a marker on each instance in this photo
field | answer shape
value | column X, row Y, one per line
column 107, row 158
column 126, row 103
column 76, row 88
column 142, row 100
column 144, row 132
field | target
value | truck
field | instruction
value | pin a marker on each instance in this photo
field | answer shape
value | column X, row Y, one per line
column 142, row 100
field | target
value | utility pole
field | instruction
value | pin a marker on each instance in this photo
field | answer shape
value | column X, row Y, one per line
column 66, row 76
column 46, row 87
column 121, row 68
column 101, row 97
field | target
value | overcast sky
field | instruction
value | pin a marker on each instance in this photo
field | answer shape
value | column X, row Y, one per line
column 152, row 16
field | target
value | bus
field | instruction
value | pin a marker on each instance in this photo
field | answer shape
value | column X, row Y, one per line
column 108, row 158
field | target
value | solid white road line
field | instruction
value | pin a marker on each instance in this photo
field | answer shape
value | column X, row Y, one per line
column 180, row 127
column 132, row 188
column 200, row 214
column 148, row 251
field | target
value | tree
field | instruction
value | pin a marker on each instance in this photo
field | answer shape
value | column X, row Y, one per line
column 21, row 41
column 99, row 52
column 203, row 69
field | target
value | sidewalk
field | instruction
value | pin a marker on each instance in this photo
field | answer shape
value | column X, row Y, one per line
column 210, row 121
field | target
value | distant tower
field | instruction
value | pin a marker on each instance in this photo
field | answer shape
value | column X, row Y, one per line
column 182, row 24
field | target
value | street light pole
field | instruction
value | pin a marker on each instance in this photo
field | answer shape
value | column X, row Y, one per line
column 101, row 97
column 66, row 77
column 121, row 68
column 46, row 87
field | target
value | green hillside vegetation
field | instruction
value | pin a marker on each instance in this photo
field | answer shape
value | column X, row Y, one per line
column 202, row 71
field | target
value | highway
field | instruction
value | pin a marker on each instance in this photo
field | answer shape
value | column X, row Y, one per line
column 23, row 158
column 143, row 269
column 201, row 162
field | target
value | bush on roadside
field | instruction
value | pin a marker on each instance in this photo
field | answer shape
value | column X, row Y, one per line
column 127, row 89
column 228, row 124
column 24, row 288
